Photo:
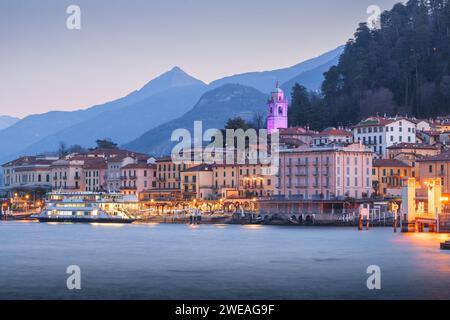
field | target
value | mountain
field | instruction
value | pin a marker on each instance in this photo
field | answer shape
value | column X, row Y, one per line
column 162, row 99
column 214, row 109
column 265, row 81
column 7, row 121
column 311, row 79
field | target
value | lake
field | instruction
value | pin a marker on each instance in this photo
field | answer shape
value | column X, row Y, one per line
column 162, row 261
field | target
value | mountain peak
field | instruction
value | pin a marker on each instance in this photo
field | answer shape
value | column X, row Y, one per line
column 176, row 77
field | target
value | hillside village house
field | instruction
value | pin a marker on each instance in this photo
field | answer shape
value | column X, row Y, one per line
column 380, row 133
column 410, row 153
column 327, row 172
column 332, row 135
column 388, row 175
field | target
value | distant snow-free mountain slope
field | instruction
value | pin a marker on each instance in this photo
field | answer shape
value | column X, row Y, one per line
column 7, row 121
column 311, row 79
column 214, row 109
column 162, row 99
column 265, row 81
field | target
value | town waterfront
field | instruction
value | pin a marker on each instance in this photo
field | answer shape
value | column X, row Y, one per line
column 161, row 261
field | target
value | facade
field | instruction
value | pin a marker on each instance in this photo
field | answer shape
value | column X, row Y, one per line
column 27, row 173
column 277, row 113
column 198, row 182
column 410, row 153
column 436, row 167
column 328, row 172
column 332, row 135
column 137, row 177
column 68, row 175
column 94, row 170
column 115, row 164
column 380, row 133
column 388, row 176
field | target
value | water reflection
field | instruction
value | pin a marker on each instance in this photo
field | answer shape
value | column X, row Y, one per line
column 219, row 262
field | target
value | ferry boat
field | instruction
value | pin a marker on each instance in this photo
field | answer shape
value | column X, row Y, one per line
column 85, row 207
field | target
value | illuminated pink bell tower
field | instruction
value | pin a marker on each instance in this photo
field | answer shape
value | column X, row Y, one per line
column 277, row 114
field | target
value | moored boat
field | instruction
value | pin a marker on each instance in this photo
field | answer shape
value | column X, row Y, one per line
column 84, row 207
column 445, row 245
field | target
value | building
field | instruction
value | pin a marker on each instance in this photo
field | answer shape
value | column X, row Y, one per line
column 137, row 177
column 379, row 133
column 277, row 113
column 27, row 173
column 243, row 181
column 94, row 170
column 433, row 167
column 332, row 135
column 388, row 175
column 327, row 172
column 115, row 164
column 410, row 153
column 429, row 137
column 198, row 182
column 68, row 174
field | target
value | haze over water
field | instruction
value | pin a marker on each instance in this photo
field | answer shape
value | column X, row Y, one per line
column 218, row 262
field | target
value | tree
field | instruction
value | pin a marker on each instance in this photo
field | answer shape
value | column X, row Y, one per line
column 106, row 144
column 62, row 149
column 258, row 121
column 237, row 123
column 76, row 148
column 408, row 58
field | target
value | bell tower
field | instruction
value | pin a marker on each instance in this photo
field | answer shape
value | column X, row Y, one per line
column 277, row 112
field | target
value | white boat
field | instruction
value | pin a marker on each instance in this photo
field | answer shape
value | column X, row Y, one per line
column 84, row 207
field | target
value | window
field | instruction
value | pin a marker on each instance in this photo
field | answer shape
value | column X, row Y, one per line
column 430, row 169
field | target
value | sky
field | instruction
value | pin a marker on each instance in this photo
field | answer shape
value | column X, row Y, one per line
column 122, row 44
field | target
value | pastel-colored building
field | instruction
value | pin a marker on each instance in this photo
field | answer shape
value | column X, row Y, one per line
column 436, row 167
column 137, row 177
column 198, row 182
column 115, row 164
column 327, row 172
column 410, row 153
column 277, row 113
column 27, row 173
column 94, row 170
column 388, row 176
column 67, row 175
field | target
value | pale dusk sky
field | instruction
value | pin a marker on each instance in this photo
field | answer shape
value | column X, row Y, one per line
column 123, row 44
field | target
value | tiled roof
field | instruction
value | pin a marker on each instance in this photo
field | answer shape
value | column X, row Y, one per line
column 139, row 166
column 94, row 163
column 445, row 156
column 202, row 167
column 412, row 146
column 379, row 121
column 389, row 163
column 292, row 131
column 335, row 132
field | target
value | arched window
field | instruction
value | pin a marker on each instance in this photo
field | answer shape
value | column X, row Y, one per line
column 280, row 110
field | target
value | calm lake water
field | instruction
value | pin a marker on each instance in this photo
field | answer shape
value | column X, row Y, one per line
column 218, row 262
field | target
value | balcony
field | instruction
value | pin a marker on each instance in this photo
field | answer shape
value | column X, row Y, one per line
column 77, row 178
column 301, row 174
column 128, row 188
